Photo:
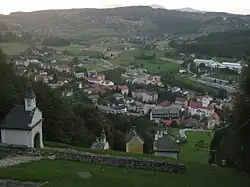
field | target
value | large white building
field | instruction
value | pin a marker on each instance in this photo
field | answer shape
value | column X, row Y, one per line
column 23, row 124
column 206, row 62
column 234, row 66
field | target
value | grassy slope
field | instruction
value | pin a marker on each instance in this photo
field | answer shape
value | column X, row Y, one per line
column 13, row 48
column 64, row 174
column 188, row 151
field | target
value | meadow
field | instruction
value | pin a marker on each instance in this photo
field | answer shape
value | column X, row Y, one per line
column 14, row 48
column 66, row 174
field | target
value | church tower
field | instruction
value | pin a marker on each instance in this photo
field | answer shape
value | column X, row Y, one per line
column 30, row 100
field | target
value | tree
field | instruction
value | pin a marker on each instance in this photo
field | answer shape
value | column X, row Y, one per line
column 232, row 142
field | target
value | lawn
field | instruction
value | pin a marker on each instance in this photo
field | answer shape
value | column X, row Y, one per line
column 3, row 154
column 65, row 174
column 14, row 48
column 189, row 153
column 128, row 55
column 91, row 67
column 158, row 66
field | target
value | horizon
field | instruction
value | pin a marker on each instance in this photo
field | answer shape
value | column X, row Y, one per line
column 202, row 5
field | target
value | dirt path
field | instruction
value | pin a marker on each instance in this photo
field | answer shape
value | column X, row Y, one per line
column 15, row 160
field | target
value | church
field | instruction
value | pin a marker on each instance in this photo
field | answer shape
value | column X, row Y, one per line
column 23, row 124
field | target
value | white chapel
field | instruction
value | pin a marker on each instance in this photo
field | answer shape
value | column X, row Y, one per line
column 23, row 124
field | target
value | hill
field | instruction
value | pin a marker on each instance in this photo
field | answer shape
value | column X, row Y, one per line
column 232, row 44
column 121, row 21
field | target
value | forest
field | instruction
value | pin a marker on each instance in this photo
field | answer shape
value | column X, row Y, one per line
column 231, row 44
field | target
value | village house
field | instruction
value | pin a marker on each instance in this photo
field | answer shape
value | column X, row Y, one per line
column 175, row 89
column 118, row 96
column 68, row 93
column 134, row 142
column 94, row 98
column 145, row 96
column 23, row 124
column 63, row 68
column 123, row 89
column 196, row 108
column 171, row 112
column 80, row 75
column 129, row 100
column 206, row 100
column 113, row 108
column 181, row 101
column 101, row 143
column 165, row 145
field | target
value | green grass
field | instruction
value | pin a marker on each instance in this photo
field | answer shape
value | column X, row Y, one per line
column 65, row 174
column 159, row 66
column 3, row 154
column 189, row 153
column 91, row 67
column 131, row 54
column 14, row 48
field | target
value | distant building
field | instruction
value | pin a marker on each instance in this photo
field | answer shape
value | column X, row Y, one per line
column 123, row 89
column 206, row 62
column 94, row 98
column 165, row 144
column 23, row 124
column 171, row 112
column 101, row 143
column 134, row 142
column 145, row 96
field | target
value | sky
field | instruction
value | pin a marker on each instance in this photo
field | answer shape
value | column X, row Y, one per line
column 232, row 6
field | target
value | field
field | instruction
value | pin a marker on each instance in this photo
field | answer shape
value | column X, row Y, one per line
column 189, row 153
column 65, row 174
column 13, row 48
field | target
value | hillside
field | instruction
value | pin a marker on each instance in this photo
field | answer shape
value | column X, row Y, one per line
column 121, row 21
column 233, row 44
column 66, row 174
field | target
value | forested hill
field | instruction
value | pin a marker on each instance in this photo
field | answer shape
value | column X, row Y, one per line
column 233, row 44
column 139, row 18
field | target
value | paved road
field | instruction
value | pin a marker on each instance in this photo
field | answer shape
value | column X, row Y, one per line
column 11, row 161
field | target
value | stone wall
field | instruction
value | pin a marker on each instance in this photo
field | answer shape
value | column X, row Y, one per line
column 106, row 160
column 11, row 183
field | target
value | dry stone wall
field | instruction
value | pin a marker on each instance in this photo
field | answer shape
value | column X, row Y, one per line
column 106, row 160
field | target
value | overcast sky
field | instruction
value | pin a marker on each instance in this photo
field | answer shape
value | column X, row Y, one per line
column 233, row 6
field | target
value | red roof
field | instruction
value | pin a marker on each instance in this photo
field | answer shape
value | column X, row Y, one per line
column 122, row 87
column 167, row 122
column 165, row 104
column 198, row 105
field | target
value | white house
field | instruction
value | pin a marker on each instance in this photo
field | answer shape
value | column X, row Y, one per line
column 206, row 100
column 23, row 124
column 101, row 143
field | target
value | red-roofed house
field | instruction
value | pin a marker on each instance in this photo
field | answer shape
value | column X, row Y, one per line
column 196, row 108
column 123, row 89
column 167, row 122
column 165, row 104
